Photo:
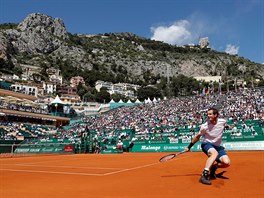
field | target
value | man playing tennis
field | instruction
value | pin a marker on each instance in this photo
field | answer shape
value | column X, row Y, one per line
column 212, row 131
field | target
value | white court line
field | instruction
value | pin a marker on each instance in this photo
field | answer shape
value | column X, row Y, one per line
column 51, row 172
column 88, row 174
column 129, row 169
column 71, row 173
column 138, row 167
column 58, row 160
column 84, row 167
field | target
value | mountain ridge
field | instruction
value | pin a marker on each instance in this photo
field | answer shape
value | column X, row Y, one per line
column 44, row 41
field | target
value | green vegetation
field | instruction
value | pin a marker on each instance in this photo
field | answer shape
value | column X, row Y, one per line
column 127, row 58
column 6, row 26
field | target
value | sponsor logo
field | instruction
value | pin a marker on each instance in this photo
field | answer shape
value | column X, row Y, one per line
column 155, row 148
column 174, row 141
column 166, row 148
column 47, row 149
column 244, row 145
column 35, row 150
column 22, row 150
column 58, row 149
column 186, row 140
column 68, row 148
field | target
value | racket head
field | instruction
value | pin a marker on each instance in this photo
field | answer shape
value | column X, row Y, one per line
column 171, row 156
column 167, row 157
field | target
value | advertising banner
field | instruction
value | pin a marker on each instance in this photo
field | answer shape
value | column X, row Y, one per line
column 254, row 145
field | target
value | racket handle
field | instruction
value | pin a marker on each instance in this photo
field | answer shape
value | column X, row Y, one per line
column 183, row 152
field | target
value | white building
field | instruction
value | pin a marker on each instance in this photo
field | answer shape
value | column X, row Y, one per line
column 209, row 78
column 25, row 89
column 30, row 72
column 204, row 42
column 54, row 75
column 99, row 84
column 49, row 87
column 6, row 77
column 119, row 88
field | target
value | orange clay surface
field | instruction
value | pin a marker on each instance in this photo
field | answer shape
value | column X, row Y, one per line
column 129, row 175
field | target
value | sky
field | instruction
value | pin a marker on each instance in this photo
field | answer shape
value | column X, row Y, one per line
column 232, row 26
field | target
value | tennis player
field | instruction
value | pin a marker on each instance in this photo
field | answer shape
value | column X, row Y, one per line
column 212, row 131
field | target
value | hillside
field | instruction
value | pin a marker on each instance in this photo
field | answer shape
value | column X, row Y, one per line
column 43, row 41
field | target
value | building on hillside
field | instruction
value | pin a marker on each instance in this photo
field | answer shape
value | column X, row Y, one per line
column 204, row 42
column 24, row 77
column 15, row 77
column 25, row 89
column 64, row 89
column 128, row 86
column 125, row 89
column 54, row 75
column 30, row 72
column 70, row 98
column 6, row 77
column 190, row 46
column 209, row 78
column 30, row 69
column 99, row 84
column 76, row 80
column 49, row 87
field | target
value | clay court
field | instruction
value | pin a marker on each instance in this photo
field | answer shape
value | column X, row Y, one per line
column 129, row 175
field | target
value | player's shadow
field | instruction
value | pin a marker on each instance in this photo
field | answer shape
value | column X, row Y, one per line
column 180, row 175
column 221, row 175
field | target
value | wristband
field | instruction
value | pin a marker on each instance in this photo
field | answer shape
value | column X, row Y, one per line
column 190, row 145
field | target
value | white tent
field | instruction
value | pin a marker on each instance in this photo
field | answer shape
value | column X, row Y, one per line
column 57, row 100
column 147, row 100
column 112, row 101
column 120, row 101
column 137, row 101
column 129, row 101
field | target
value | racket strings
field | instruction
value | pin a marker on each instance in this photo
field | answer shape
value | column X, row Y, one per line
column 167, row 157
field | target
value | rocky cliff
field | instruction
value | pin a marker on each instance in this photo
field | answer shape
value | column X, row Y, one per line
column 44, row 41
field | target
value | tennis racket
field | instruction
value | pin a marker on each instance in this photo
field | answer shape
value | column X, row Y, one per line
column 171, row 156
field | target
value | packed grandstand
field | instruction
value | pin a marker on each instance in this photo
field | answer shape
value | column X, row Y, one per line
column 160, row 125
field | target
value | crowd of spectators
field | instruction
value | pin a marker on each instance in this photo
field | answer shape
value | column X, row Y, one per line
column 166, row 116
column 18, row 131
column 163, row 119
column 181, row 112
column 30, row 107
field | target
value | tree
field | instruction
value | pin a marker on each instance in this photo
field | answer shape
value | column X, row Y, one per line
column 103, row 96
column 117, row 97
column 89, row 97
column 162, row 86
column 81, row 90
column 148, row 92
column 8, row 67
column 183, row 85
